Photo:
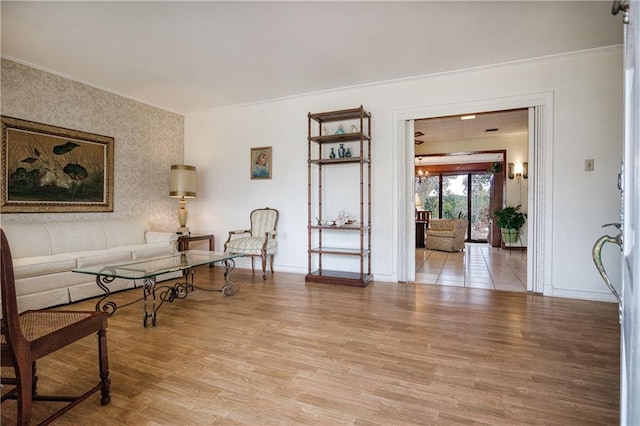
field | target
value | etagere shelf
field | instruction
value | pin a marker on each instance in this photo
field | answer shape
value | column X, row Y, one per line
column 328, row 239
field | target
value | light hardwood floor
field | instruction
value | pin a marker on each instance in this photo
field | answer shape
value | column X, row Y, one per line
column 283, row 352
column 478, row 266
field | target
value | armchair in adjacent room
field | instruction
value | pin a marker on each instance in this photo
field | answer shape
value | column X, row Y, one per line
column 446, row 234
column 259, row 240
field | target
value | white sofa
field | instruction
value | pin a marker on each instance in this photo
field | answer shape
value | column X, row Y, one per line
column 45, row 253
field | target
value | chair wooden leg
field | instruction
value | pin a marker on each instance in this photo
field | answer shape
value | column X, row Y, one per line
column 105, row 381
column 272, row 264
column 25, row 388
column 34, row 380
column 252, row 270
column 264, row 266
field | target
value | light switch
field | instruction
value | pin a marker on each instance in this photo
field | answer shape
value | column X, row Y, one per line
column 588, row 165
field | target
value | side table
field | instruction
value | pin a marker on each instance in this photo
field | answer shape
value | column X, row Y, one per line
column 184, row 240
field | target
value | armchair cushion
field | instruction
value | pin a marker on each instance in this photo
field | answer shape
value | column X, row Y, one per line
column 252, row 245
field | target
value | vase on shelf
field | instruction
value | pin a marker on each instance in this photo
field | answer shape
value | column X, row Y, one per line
column 341, row 151
column 340, row 130
column 332, row 154
column 348, row 153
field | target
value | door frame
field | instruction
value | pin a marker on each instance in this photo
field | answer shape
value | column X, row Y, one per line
column 540, row 151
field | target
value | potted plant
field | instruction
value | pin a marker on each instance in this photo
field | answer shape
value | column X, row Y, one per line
column 510, row 220
column 495, row 167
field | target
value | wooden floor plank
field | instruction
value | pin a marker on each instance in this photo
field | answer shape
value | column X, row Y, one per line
column 289, row 352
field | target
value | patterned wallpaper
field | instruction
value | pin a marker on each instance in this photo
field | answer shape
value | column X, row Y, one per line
column 147, row 139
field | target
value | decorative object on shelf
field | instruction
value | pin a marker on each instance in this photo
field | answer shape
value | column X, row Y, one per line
column 348, row 153
column 354, row 128
column 324, row 130
column 182, row 185
column 48, row 169
column 340, row 221
column 340, row 130
column 341, row 151
column 332, row 154
column 261, row 162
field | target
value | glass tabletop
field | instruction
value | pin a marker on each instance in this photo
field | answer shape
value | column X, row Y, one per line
column 147, row 268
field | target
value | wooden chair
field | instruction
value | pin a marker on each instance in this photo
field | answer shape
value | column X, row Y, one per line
column 261, row 240
column 29, row 336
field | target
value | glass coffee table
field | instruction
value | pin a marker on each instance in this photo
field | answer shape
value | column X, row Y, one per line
column 148, row 269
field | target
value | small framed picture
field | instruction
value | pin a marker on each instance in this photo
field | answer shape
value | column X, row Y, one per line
column 261, row 162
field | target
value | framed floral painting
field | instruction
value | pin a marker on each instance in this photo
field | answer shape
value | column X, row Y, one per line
column 48, row 169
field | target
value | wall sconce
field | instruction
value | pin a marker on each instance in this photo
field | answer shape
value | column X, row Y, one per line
column 518, row 170
column 182, row 185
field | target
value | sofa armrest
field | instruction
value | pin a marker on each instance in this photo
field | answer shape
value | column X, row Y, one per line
column 160, row 237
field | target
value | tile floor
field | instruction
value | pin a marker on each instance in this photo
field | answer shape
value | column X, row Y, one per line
column 479, row 266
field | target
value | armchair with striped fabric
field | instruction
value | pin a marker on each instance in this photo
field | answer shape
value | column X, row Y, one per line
column 259, row 240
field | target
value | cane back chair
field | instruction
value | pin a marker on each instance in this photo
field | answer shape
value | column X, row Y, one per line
column 31, row 335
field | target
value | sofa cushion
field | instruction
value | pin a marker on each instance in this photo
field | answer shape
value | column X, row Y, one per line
column 160, row 237
column 42, row 265
column 27, row 239
column 146, row 251
column 75, row 237
column 124, row 232
column 99, row 257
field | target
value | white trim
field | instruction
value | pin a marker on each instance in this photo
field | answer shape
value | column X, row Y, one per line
column 541, row 195
column 582, row 295
column 405, row 217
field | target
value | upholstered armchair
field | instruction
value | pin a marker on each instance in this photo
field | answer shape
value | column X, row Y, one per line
column 446, row 234
column 260, row 240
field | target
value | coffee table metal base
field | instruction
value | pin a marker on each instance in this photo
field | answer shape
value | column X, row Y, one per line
column 166, row 293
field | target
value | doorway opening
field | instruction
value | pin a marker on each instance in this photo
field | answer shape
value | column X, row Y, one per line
column 539, row 226
column 534, row 107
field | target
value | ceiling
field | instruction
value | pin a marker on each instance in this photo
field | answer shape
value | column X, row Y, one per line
column 192, row 56
column 454, row 128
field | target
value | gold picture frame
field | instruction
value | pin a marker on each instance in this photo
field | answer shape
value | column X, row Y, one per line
column 261, row 162
column 49, row 169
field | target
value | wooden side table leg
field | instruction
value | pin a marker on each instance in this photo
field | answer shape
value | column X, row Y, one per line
column 211, row 248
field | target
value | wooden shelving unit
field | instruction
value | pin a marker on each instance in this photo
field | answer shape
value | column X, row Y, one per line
column 321, row 237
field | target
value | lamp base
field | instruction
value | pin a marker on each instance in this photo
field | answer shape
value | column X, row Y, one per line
column 183, row 230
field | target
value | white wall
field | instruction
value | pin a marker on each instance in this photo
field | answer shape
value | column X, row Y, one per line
column 587, row 105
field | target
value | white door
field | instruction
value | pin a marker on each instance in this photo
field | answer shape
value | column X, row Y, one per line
column 630, row 321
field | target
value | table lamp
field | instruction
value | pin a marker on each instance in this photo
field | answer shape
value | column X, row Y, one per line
column 182, row 185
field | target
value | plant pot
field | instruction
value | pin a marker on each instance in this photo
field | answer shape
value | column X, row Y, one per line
column 509, row 235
